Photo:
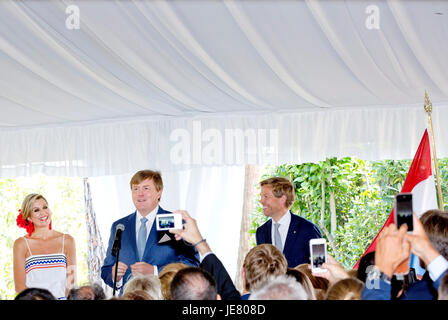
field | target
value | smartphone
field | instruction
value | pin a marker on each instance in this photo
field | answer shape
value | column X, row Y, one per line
column 318, row 252
column 168, row 221
column 403, row 210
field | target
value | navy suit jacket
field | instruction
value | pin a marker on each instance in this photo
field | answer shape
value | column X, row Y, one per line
column 424, row 289
column 156, row 254
column 224, row 283
column 296, row 248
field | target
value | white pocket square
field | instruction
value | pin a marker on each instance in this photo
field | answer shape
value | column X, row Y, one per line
column 165, row 238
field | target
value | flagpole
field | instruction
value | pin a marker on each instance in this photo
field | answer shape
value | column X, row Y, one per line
column 428, row 109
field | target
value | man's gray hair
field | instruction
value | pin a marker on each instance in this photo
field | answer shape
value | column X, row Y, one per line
column 279, row 288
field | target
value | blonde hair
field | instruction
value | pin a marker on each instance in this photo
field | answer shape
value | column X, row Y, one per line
column 345, row 289
column 148, row 283
column 280, row 187
column 319, row 284
column 28, row 202
column 303, row 279
column 166, row 277
column 136, row 295
column 261, row 262
column 142, row 175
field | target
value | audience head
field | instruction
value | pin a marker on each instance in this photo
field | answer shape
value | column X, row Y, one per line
column 443, row 288
column 303, row 279
column 320, row 285
column 166, row 276
column 261, row 262
column 35, row 294
column 193, row 283
column 345, row 289
column 280, row 287
column 87, row 292
column 147, row 283
column 136, row 295
column 365, row 264
column 353, row 273
column 435, row 224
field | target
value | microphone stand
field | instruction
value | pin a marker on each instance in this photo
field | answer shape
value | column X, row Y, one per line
column 116, row 253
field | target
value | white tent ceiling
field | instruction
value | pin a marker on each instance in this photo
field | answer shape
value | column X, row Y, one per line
column 104, row 98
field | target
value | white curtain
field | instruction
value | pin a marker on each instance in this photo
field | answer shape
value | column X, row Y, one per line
column 106, row 98
column 185, row 143
column 198, row 89
column 213, row 196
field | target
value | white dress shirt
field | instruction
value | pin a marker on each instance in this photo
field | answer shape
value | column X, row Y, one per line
column 151, row 217
column 283, row 229
column 438, row 266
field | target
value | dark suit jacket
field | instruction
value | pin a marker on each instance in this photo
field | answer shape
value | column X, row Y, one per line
column 296, row 248
column 225, row 287
column 424, row 289
column 156, row 254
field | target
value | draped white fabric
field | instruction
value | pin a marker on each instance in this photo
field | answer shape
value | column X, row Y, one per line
column 197, row 89
column 213, row 196
column 171, row 145
column 327, row 78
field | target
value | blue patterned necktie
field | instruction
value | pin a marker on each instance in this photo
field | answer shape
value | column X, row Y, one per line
column 277, row 238
column 141, row 238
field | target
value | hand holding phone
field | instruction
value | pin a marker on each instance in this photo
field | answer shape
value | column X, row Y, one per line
column 318, row 252
column 168, row 221
column 403, row 211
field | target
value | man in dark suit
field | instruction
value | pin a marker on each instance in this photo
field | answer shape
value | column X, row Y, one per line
column 288, row 232
column 209, row 261
column 144, row 250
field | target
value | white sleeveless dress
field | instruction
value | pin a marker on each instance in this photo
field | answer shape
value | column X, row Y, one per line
column 47, row 271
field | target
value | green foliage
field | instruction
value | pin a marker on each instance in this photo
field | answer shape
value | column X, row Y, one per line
column 66, row 202
column 364, row 194
column 443, row 172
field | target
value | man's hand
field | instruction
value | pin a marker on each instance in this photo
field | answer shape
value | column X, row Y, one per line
column 420, row 244
column 391, row 249
column 190, row 233
column 334, row 272
column 121, row 270
column 142, row 268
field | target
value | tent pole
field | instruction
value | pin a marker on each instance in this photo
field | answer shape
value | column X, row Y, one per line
column 428, row 109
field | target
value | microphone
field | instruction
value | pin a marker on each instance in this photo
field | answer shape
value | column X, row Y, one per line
column 117, row 240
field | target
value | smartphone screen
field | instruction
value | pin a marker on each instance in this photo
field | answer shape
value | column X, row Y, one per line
column 166, row 222
column 318, row 255
column 403, row 207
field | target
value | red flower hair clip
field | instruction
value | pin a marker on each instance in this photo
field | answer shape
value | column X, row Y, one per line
column 22, row 223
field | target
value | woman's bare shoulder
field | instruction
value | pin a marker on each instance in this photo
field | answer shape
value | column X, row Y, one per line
column 69, row 239
column 19, row 244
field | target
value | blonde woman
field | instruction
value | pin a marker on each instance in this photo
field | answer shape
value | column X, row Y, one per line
column 147, row 283
column 167, row 275
column 345, row 289
column 44, row 258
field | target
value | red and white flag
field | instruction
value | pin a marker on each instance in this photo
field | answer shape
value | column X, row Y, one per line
column 420, row 182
